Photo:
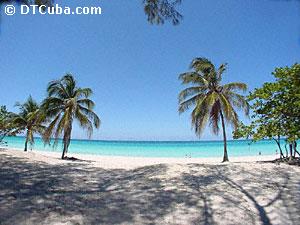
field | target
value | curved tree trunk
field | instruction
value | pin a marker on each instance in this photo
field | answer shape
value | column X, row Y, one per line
column 295, row 148
column 286, row 151
column 26, row 142
column 66, row 145
column 66, row 140
column 291, row 151
column 225, row 157
column 279, row 146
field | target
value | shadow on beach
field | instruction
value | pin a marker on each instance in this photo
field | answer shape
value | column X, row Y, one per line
column 77, row 193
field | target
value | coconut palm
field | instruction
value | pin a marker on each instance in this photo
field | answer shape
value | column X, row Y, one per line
column 212, row 101
column 29, row 120
column 65, row 103
column 6, row 127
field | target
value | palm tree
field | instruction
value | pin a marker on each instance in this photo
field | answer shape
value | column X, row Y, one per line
column 6, row 127
column 211, row 100
column 65, row 103
column 29, row 120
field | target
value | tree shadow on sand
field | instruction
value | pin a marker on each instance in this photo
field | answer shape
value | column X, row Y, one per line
column 78, row 193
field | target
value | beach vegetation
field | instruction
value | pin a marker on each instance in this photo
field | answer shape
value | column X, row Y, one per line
column 213, row 102
column 6, row 128
column 29, row 120
column 66, row 103
column 276, row 111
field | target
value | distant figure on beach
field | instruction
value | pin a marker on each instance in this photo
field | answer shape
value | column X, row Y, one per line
column 259, row 153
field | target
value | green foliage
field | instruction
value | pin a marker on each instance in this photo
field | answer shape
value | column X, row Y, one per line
column 243, row 131
column 275, row 106
column 287, row 97
column 4, row 114
column 30, row 120
column 66, row 103
column 5, row 123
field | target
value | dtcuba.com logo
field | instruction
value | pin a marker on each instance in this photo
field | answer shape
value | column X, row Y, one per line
column 51, row 10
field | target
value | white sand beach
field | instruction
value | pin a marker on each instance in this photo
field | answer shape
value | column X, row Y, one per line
column 124, row 162
column 39, row 188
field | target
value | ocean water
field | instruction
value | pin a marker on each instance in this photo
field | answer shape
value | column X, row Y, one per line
column 176, row 149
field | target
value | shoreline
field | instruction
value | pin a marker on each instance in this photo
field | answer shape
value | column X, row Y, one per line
column 125, row 162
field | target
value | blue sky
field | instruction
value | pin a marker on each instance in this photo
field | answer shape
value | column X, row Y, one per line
column 133, row 66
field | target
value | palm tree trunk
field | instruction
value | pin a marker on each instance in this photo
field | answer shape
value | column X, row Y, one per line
column 225, row 157
column 64, row 151
column 66, row 140
column 66, row 145
column 26, row 142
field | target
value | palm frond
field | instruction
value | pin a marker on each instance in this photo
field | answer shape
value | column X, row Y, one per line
column 49, row 130
column 69, row 83
column 238, row 101
column 221, row 70
column 201, row 113
column 91, row 115
column 185, row 105
column 229, row 112
column 86, row 103
column 84, row 122
column 202, row 65
column 192, row 78
column 55, row 88
column 83, row 92
column 215, row 117
column 200, row 116
column 235, row 86
column 191, row 91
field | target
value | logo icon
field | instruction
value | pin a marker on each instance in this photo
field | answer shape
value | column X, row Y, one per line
column 10, row 10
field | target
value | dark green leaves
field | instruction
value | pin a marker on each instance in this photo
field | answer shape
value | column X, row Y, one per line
column 275, row 107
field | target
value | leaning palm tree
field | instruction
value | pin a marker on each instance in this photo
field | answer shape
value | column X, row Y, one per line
column 65, row 103
column 29, row 120
column 213, row 102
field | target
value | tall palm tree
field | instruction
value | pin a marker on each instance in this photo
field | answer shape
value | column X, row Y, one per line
column 65, row 103
column 213, row 102
column 29, row 120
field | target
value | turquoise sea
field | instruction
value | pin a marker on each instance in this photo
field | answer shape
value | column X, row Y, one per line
column 176, row 149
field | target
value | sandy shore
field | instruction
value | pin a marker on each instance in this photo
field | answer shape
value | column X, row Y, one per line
column 39, row 188
column 122, row 162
